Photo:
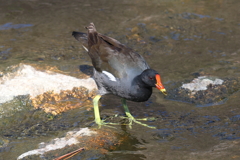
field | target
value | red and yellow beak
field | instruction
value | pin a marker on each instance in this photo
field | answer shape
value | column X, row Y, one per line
column 159, row 85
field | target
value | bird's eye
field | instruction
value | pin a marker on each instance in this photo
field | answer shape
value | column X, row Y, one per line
column 151, row 78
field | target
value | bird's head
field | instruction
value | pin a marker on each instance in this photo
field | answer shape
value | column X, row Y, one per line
column 153, row 79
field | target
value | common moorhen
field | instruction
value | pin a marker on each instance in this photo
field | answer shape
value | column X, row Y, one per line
column 118, row 70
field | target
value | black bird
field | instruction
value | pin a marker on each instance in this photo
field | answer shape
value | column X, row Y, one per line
column 118, row 70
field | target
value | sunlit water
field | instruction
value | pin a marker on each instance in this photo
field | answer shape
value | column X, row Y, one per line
column 178, row 38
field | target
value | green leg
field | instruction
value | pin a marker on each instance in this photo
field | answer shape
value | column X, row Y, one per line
column 96, row 110
column 131, row 118
column 98, row 120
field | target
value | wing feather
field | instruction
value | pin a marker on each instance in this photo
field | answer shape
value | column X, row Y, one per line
column 108, row 54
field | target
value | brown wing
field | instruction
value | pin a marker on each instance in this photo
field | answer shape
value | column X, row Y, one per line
column 110, row 55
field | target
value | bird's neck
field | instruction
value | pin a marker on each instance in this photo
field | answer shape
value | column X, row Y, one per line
column 141, row 89
column 137, row 81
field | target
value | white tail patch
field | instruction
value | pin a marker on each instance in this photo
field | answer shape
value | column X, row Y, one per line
column 85, row 48
column 110, row 76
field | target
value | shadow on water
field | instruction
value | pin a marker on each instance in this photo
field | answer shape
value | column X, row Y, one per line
column 86, row 69
column 125, row 151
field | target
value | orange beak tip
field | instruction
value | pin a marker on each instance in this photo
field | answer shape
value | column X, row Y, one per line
column 159, row 85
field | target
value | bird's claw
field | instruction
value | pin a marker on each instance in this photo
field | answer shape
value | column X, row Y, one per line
column 101, row 123
column 131, row 119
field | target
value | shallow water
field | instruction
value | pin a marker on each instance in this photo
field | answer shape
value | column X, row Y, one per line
column 178, row 38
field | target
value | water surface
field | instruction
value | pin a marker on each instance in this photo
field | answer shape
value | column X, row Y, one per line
column 178, row 38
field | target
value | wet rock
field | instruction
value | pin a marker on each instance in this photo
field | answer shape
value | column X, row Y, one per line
column 94, row 142
column 56, row 103
column 47, row 90
column 11, row 107
column 204, row 91
column 201, row 83
column 59, row 143
column 3, row 142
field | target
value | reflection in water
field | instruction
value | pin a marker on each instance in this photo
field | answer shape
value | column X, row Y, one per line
column 130, row 149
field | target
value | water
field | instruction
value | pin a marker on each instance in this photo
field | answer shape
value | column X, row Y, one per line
column 178, row 38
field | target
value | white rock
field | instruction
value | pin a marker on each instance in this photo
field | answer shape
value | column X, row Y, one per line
column 26, row 80
column 201, row 83
column 72, row 137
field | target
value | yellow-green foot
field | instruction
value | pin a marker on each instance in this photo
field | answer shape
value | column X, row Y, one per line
column 132, row 119
column 98, row 120
column 106, row 124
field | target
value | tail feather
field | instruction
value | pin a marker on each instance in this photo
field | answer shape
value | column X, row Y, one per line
column 82, row 37
column 92, row 35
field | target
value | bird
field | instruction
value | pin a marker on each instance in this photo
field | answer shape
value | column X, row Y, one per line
column 118, row 70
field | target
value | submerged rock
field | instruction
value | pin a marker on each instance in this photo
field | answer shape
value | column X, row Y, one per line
column 204, row 91
column 71, row 138
column 98, row 141
column 10, row 25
